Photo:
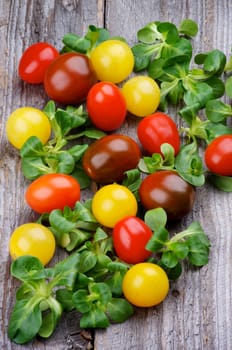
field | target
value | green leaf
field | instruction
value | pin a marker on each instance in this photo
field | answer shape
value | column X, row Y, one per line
column 115, row 266
column 95, row 318
column 228, row 66
column 25, row 320
column 51, row 318
column 61, row 223
column 158, row 161
column 223, row 183
column 132, row 180
column 96, row 35
column 84, row 213
column 228, row 87
column 158, row 240
column 189, row 113
column 119, row 310
column 93, row 133
column 180, row 249
column 155, row 69
column 27, row 268
column 101, row 291
column 65, row 271
column 99, row 235
column 217, row 111
column 197, row 92
column 65, row 163
column 80, row 175
column 168, row 153
column 33, row 167
column 217, row 86
column 198, row 253
column 151, row 164
column 87, row 261
column 77, row 151
column 50, row 110
column 64, row 297
column 115, row 282
column 215, row 62
column 174, row 272
column 177, row 52
column 189, row 165
column 76, row 43
column 155, row 218
column 140, row 63
column 149, row 34
column 169, row 32
column 216, row 129
column 200, row 58
column 77, row 238
column 32, row 147
column 80, row 301
column 169, row 259
column 188, row 27
column 68, row 120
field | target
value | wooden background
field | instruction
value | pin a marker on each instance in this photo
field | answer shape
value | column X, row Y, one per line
column 197, row 313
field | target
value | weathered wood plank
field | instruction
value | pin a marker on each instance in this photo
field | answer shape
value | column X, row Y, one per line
column 197, row 312
column 21, row 24
column 198, row 308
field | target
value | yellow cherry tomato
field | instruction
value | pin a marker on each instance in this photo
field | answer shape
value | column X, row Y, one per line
column 142, row 95
column 112, row 60
column 32, row 239
column 25, row 122
column 145, row 284
column 112, row 203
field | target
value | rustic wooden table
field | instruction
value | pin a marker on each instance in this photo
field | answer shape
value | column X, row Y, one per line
column 197, row 312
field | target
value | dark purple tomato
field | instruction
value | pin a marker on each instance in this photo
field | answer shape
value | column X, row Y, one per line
column 106, row 159
column 69, row 78
column 166, row 189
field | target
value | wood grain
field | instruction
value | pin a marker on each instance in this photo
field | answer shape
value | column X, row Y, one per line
column 197, row 313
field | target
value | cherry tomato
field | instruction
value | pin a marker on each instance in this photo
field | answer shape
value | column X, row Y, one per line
column 52, row 191
column 25, row 122
column 107, row 159
column 130, row 236
column 156, row 129
column 166, row 189
column 218, row 155
column 145, row 285
column 112, row 60
column 32, row 239
column 69, row 78
column 112, row 203
column 106, row 106
column 35, row 60
column 142, row 95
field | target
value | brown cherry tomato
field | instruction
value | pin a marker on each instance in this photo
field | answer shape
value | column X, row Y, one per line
column 166, row 189
column 69, row 78
column 106, row 159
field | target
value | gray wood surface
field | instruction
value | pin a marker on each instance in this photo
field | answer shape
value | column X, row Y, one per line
column 197, row 312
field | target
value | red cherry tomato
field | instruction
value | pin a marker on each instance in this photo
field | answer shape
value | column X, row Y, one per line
column 156, row 129
column 52, row 191
column 35, row 61
column 218, row 155
column 130, row 236
column 69, row 78
column 106, row 106
column 166, row 189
